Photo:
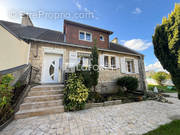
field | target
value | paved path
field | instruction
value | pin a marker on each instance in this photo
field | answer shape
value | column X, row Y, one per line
column 126, row 119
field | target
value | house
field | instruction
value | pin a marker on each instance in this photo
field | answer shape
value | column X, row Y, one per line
column 54, row 52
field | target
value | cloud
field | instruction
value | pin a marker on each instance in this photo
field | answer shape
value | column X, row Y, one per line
column 155, row 67
column 136, row 44
column 77, row 4
column 137, row 11
column 6, row 15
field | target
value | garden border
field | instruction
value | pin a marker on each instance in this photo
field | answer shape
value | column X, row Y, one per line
column 106, row 103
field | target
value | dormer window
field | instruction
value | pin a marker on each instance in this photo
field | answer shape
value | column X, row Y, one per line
column 86, row 36
column 81, row 36
column 101, row 37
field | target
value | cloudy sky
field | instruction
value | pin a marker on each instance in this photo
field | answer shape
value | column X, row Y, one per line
column 132, row 21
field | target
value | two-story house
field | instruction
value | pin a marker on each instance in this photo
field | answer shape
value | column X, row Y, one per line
column 54, row 52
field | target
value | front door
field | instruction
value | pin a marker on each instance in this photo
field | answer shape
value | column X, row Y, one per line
column 52, row 68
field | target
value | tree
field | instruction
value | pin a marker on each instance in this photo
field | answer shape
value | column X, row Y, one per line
column 94, row 64
column 166, row 40
column 160, row 77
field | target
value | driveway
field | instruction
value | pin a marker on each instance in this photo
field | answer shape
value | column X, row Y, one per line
column 125, row 119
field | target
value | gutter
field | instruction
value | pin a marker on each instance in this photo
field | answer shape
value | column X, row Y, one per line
column 79, row 46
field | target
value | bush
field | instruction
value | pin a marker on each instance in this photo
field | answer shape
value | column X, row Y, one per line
column 95, row 97
column 160, row 76
column 5, row 97
column 85, row 76
column 76, row 94
column 130, row 83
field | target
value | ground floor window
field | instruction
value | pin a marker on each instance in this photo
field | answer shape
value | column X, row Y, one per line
column 106, row 61
column 130, row 65
column 84, row 59
column 110, row 61
column 113, row 62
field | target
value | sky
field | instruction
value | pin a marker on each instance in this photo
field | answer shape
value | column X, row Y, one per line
column 132, row 21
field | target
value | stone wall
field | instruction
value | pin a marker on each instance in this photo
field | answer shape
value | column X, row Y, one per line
column 107, row 77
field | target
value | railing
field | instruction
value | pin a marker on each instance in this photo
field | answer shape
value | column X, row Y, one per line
column 23, row 78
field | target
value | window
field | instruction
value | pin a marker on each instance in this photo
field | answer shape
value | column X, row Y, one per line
column 106, row 61
column 113, row 62
column 84, row 59
column 101, row 37
column 81, row 36
column 86, row 36
column 130, row 65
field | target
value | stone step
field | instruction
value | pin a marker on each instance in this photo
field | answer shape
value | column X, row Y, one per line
column 44, row 92
column 47, row 87
column 38, row 105
column 39, row 112
column 42, row 98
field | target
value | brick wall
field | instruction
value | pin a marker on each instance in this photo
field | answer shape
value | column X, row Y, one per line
column 72, row 36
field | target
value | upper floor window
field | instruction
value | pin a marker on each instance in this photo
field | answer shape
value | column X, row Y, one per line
column 101, row 37
column 81, row 36
column 86, row 36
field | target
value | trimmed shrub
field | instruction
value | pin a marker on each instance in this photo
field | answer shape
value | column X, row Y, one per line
column 75, row 94
column 130, row 83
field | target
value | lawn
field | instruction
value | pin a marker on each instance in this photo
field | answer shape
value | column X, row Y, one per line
column 164, row 89
column 172, row 128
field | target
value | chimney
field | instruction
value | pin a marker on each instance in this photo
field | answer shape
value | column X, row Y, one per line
column 115, row 40
column 26, row 21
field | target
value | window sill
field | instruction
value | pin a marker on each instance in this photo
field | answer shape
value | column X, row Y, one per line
column 131, row 73
column 85, row 40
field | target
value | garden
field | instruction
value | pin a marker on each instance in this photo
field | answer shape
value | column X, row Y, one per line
column 80, row 88
column 10, row 95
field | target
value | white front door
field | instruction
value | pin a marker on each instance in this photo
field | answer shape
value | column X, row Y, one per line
column 51, row 68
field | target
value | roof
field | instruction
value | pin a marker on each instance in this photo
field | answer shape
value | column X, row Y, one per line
column 121, row 48
column 32, row 33
column 87, row 26
column 21, row 31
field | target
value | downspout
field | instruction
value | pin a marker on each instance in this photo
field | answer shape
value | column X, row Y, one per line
column 142, row 74
column 29, row 50
column 37, row 51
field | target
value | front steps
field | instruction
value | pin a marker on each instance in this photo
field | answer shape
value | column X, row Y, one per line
column 42, row 100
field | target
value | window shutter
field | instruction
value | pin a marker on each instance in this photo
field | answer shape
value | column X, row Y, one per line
column 123, row 65
column 136, row 67
column 72, row 59
column 101, row 60
column 117, row 62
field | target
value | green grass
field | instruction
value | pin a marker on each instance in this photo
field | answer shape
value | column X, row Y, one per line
column 172, row 128
column 164, row 89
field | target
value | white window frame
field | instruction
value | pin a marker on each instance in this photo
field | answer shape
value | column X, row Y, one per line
column 132, row 72
column 82, row 52
column 109, row 62
column 114, row 61
column 85, row 36
column 102, row 38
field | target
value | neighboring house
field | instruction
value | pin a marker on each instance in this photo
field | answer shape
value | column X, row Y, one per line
column 54, row 52
column 14, row 51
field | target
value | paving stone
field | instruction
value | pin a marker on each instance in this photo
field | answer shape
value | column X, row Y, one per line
column 124, row 119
